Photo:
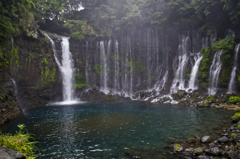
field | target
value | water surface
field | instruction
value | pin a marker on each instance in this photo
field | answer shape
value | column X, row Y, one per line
column 109, row 130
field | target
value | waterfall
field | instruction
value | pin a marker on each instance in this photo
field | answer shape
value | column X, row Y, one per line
column 15, row 86
column 214, row 73
column 159, row 86
column 192, row 82
column 67, row 70
column 232, row 83
column 103, row 62
column 87, row 67
column 179, row 80
column 116, row 67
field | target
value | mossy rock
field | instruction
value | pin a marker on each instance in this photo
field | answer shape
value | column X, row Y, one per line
column 191, row 140
column 236, row 117
column 178, row 147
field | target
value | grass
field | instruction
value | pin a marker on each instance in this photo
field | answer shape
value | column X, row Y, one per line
column 20, row 142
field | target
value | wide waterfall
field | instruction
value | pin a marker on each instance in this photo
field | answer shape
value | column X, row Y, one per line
column 142, row 61
column 232, row 83
column 214, row 73
column 67, row 70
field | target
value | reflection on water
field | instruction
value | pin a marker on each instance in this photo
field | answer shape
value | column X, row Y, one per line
column 108, row 130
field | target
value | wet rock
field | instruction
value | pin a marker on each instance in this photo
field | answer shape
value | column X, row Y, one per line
column 224, row 139
column 206, row 139
column 202, row 157
column 191, row 140
column 198, row 150
column 200, row 104
column 178, row 148
column 7, row 153
column 215, row 151
column 227, row 148
column 171, row 140
column 212, row 145
column 235, row 118
column 233, row 155
column 213, row 105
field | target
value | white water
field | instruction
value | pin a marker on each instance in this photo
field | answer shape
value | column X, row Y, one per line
column 192, row 82
column 179, row 80
column 232, row 83
column 116, row 66
column 161, row 84
column 103, row 62
column 15, row 86
column 67, row 71
column 214, row 73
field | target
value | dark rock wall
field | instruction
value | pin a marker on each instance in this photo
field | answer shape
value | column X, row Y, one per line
column 33, row 67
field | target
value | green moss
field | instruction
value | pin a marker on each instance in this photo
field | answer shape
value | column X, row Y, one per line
column 226, row 45
column 207, row 54
column 191, row 140
column 237, row 109
column 233, row 134
column 97, row 69
column 80, row 81
column 236, row 117
column 234, row 99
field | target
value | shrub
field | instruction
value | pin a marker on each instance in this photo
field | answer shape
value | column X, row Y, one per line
column 19, row 142
column 234, row 99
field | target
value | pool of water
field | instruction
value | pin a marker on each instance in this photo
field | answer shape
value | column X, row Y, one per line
column 110, row 130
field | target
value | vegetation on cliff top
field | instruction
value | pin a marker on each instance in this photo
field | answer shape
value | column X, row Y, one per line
column 109, row 16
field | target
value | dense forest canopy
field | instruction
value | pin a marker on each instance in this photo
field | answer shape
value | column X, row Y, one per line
column 107, row 16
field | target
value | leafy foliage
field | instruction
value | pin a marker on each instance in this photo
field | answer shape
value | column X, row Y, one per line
column 20, row 142
column 77, row 27
column 227, row 46
column 234, row 99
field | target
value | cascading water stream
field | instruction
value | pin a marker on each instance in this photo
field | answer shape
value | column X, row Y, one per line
column 116, row 66
column 103, row 62
column 67, row 71
column 214, row 73
column 192, row 82
column 232, row 83
column 179, row 80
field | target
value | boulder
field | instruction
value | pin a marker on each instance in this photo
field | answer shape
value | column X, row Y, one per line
column 206, row 139
column 215, row 151
column 233, row 155
column 224, row 139
column 198, row 150
column 7, row 153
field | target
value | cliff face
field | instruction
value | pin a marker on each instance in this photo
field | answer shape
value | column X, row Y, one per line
column 142, row 60
column 30, row 63
column 9, row 105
